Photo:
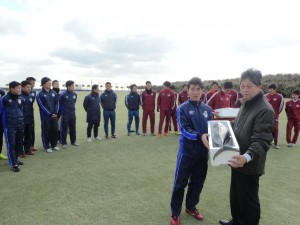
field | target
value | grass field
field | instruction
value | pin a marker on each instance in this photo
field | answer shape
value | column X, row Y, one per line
column 128, row 181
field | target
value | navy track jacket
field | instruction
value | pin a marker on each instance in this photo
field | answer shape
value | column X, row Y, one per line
column 67, row 101
column 48, row 102
column 133, row 101
column 28, row 108
column 91, row 105
column 108, row 100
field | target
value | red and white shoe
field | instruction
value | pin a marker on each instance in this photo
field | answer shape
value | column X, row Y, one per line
column 195, row 214
column 175, row 220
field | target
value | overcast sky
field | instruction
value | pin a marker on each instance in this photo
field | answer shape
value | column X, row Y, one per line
column 131, row 41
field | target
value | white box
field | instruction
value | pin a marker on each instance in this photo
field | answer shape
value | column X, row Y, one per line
column 222, row 142
column 227, row 112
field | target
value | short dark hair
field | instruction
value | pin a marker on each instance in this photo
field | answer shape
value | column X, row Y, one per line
column 167, row 84
column 253, row 75
column 148, row 82
column 172, row 87
column 228, row 85
column 195, row 81
column 30, row 79
column 131, row 86
column 184, row 85
column 296, row 92
column 69, row 83
column 107, row 83
column 214, row 82
column 45, row 80
column 95, row 86
column 54, row 82
column 272, row 86
column 13, row 84
column 25, row 83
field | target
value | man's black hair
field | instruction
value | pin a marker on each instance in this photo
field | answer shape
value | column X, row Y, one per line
column 131, row 86
column 95, row 86
column 54, row 82
column 167, row 84
column 228, row 85
column 296, row 92
column 148, row 82
column 107, row 83
column 30, row 79
column 69, row 83
column 24, row 83
column 13, row 84
column 253, row 75
column 195, row 81
column 214, row 82
column 272, row 86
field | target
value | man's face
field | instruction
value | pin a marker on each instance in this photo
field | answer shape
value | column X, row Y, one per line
column 148, row 86
column 185, row 88
column 16, row 90
column 108, row 87
column 96, row 91
column 195, row 92
column 32, row 84
column 249, row 89
column 272, row 91
column 227, row 90
column 71, row 87
column 134, row 89
column 215, row 87
column 55, row 85
column 27, row 89
column 295, row 97
column 47, row 85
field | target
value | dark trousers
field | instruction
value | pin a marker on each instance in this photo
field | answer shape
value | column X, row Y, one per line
column 109, row 115
column 244, row 200
column 67, row 122
column 14, row 139
column 164, row 114
column 90, row 127
column 292, row 122
column 49, row 131
column 276, row 132
column 190, row 171
column 151, row 115
column 174, row 120
column 1, row 135
column 136, row 116
column 32, row 135
column 28, row 127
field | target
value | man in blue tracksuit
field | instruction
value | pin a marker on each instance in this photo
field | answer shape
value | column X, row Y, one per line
column 47, row 100
column 91, row 105
column 12, row 120
column 191, row 168
column 67, row 101
column 28, row 116
column 2, row 156
column 132, row 102
column 108, row 101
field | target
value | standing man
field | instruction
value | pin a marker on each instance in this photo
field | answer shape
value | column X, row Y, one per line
column 214, row 89
column 91, row 105
column 32, row 80
column 132, row 103
column 12, row 121
column 148, row 105
column 234, row 98
column 165, row 103
column 183, row 95
column 253, row 130
column 191, row 167
column 173, row 113
column 47, row 100
column 276, row 100
column 292, row 109
column 28, row 116
column 55, row 86
column 108, row 101
column 67, row 102
column 2, row 156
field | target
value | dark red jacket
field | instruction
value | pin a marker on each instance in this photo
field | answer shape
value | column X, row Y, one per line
column 148, row 100
column 166, row 100
column 276, row 101
column 182, row 97
column 210, row 94
column 292, row 109
column 234, row 99
column 219, row 100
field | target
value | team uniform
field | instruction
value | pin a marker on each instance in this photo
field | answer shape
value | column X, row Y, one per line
column 132, row 102
column 209, row 95
column 182, row 97
column 276, row 101
column 48, row 105
column 2, row 93
column 12, row 121
column 108, row 100
column 173, row 116
column 67, row 101
column 165, row 103
column 234, row 99
column 192, row 158
column 292, row 109
column 148, row 106
column 91, row 105
column 33, row 96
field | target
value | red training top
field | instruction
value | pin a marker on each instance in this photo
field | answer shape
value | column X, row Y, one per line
column 166, row 100
column 182, row 97
column 276, row 101
column 219, row 100
column 148, row 100
column 292, row 109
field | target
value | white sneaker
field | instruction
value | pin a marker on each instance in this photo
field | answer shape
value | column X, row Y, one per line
column 64, row 146
column 97, row 138
column 48, row 150
column 89, row 139
column 277, row 146
column 289, row 144
column 75, row 144
column 293, row 145
column 56, row 148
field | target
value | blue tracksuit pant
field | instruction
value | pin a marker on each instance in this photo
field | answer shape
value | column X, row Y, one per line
column 136, row 116
column 109, row 115
column 65, row 123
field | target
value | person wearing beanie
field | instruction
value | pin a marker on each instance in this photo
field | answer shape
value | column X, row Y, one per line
column 91, row 105
column 47, row 100
column 67, row 102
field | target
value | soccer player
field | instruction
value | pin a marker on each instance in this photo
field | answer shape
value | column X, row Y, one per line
column 276, row 100
column 165, row 103
column 148, row 97
column 91, row 105
column 67, row 102
column 234, row 98
column 214, row 89
column 12, row 116
column 28, row 116
column 132, row 103
column 47, row 100
column 2, row 156
column 108, row 101
column 292, row 109
column 173, row 113
column 183, row 95
column 55, row 86
column 32, row 80
column 191, row 167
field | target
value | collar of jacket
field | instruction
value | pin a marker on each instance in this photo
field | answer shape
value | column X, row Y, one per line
column 195, row 102
column 24, row 93
column 13, row 95
column 252, row 100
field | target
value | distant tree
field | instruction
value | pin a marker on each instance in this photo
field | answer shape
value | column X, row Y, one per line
column 88, row 86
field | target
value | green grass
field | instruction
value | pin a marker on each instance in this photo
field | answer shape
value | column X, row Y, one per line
column 128, row 181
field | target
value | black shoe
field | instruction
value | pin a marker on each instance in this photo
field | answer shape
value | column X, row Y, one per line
column 226, row 222
column 20, row 163
column 113, row 136
column 16, row 169
column 106, row 136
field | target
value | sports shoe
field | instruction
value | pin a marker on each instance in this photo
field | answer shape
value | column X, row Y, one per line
column 48, row 150
column 106, row 136
column 75, row 144
column 144, row 134
column 293, row 145
column 16, row 168
column 159, row 135
column 277, row 146
column 113, row 136
column 177, row 133
column 195, row 214
column 128, row 134
column 97, row 138
column 64, row 146
column 153, row 134
column 137, row 133
column 172, row 132
column 289, row 145
column 30, row 153
column 175, row 220
column 89, row 140
column 23, row 155
column 3, row 156
column 20, row 163
column 56, row 148
column 166, row 134
column 32, row 148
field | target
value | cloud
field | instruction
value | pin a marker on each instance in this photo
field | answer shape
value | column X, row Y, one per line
column 10, row 26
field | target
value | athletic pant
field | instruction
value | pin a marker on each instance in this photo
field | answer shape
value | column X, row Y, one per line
column 293, row 122
column 151, row 115
column 244, row 200
column 164, row 114
column 32, row 136
column 28, row 127
column 1, row 135
column 90, row 127
column 65, row 123
column 191, row 171
column 49, row 131
column 174, row 120
column 14, row 139
column 109, row 115
column 276, row 132
column 136, row 116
